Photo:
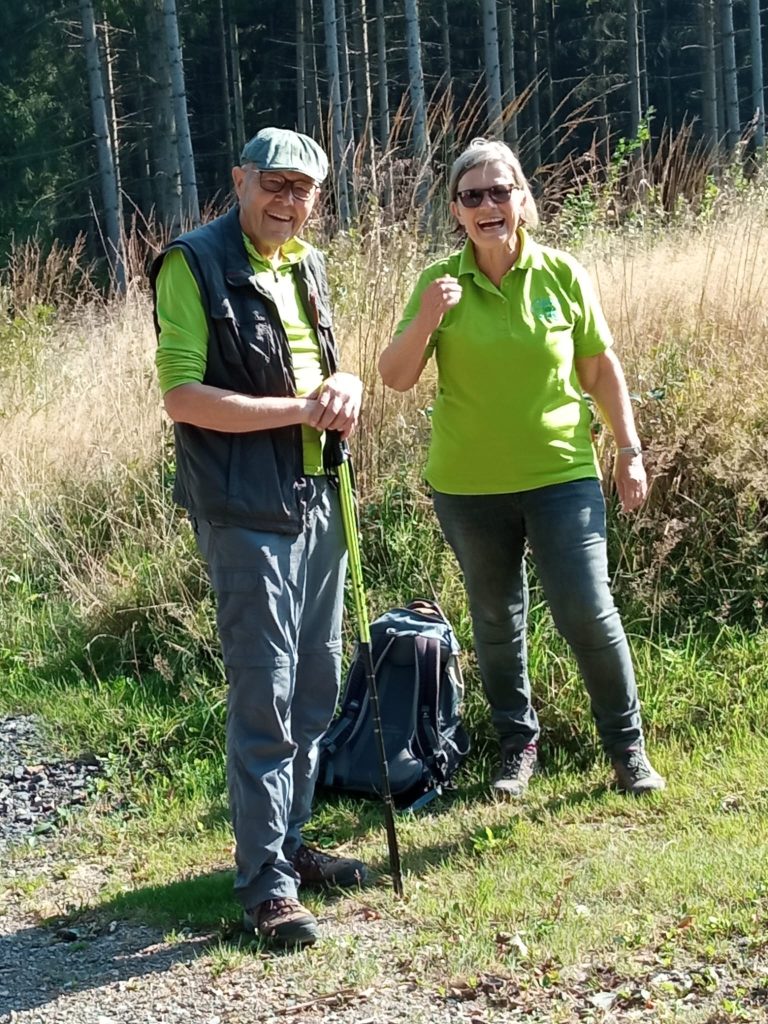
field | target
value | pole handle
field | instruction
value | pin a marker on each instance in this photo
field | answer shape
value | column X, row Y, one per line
column 335, row 451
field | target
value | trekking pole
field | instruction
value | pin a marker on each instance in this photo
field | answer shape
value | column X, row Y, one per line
column 337, row 456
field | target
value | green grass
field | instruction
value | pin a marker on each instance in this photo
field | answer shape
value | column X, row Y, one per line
column 574, row 878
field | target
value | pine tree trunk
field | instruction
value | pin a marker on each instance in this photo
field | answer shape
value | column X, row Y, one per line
column 109, row 190
column 226, row 108
column 237, row 85
column 758, row 91
column 363, row 101
column 445, row 46
column 346, row 103
column 189, row 201
column 534, row 110
column 301, row 62
column 508, row 74
column 633, row 69
column 314, row 104
column 165, row 154
column 643, row 57
column 730, row 85
column 492, row 71
column 146, row 201
column 416, row 79
column 337, row 120
column 383, row 73
column 712, row 130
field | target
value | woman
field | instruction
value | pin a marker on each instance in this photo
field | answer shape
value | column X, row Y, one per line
column 518, row 336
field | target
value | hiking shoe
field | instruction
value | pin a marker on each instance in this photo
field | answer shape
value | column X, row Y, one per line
column 517, row 767
column 282, row 921
column 635, row 774
column 321, row 870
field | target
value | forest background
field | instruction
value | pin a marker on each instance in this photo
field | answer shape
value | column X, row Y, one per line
column 642, row 128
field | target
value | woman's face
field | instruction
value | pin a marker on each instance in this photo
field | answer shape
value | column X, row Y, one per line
column 491, row 224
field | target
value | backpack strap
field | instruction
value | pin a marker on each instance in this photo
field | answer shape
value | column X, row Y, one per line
column 427, row 658
column 352, row 708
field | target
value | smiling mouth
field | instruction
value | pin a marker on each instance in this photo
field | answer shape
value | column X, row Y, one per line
column 495, row 223
column 282, row 219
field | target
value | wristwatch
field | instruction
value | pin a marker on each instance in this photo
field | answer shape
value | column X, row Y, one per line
column 631, row 449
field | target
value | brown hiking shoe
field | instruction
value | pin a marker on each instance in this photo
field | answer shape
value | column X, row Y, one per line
column 517, row 767
column 283, row 921
column 324, row 871
column 635, row 774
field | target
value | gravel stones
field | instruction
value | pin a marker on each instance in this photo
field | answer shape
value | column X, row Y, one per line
column 34, row 788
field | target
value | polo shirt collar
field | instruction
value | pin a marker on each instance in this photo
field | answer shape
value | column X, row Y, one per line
column 529, row 256
column 293, row 251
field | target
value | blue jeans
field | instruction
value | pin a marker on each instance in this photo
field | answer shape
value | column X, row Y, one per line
column 564, row 525
column 279, row 603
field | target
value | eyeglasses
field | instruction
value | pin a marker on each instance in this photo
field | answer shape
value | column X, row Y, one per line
column 473, row 197
column 301, row 190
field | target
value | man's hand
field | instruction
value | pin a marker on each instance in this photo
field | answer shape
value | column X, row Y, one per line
column 437, row 298
column 335, row 405
column 631, row 481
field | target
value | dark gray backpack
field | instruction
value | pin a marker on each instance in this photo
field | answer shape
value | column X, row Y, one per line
column 420, row 689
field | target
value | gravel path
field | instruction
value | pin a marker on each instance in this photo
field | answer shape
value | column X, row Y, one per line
column 35, row 789
column 53, row 971
column 62, row 964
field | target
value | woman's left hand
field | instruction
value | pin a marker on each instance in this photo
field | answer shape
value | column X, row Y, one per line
column 631, row 481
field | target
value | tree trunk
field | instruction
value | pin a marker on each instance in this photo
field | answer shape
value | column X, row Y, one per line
column 758, row 96
column 346, row 103
column 643, row 57
column 633, row 69
column 301, row 61
column 534, row 110
column 508, row 74
column 416, row 79
column 337, row 120
column 237, row 86
column 165, row 154
column 666, row 45
column 363, row 102
column 445, row 46
column 142, row 145
column 314, row 104
column 189, row 203
column 109, row 190
column 730, row 85
column 383, row 84
column 712, row 130
column 226, row 108
column 492, row 71
column 548, row 49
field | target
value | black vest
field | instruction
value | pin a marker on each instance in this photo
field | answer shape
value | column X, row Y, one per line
column 255, row 479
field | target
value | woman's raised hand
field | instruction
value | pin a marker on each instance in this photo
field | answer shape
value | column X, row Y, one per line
column 437, row 298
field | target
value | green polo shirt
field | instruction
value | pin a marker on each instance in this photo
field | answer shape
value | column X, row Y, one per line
column 509, row 414
column 183, row 345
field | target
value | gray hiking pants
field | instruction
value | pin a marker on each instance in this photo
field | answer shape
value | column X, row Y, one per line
column 279, row 606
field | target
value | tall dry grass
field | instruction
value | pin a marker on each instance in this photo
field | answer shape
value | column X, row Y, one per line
column 85, row 454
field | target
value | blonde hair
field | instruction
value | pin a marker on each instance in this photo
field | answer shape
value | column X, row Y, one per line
column 485, row 151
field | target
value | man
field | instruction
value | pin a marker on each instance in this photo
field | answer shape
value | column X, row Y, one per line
column 247, row 364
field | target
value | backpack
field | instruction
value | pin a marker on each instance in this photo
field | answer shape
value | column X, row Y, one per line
column 420, row 687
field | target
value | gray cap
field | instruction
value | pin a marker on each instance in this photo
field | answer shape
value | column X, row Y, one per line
column 279, row 149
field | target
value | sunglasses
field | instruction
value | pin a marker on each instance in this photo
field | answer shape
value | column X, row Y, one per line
column 473, row 197
column 301, row 190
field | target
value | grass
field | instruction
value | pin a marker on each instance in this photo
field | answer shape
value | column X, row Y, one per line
column 109, row 635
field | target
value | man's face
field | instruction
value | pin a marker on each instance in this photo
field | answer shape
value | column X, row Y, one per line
column 270, row 215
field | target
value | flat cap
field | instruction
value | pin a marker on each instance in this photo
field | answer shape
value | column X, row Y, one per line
column 279, row 149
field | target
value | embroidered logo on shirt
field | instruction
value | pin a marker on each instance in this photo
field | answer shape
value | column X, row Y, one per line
column 544, row 309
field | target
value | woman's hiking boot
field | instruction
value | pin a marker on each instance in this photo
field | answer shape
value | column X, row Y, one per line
column 282, row 921
column 517, row 767
column 322, row 870
column 635, row 774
